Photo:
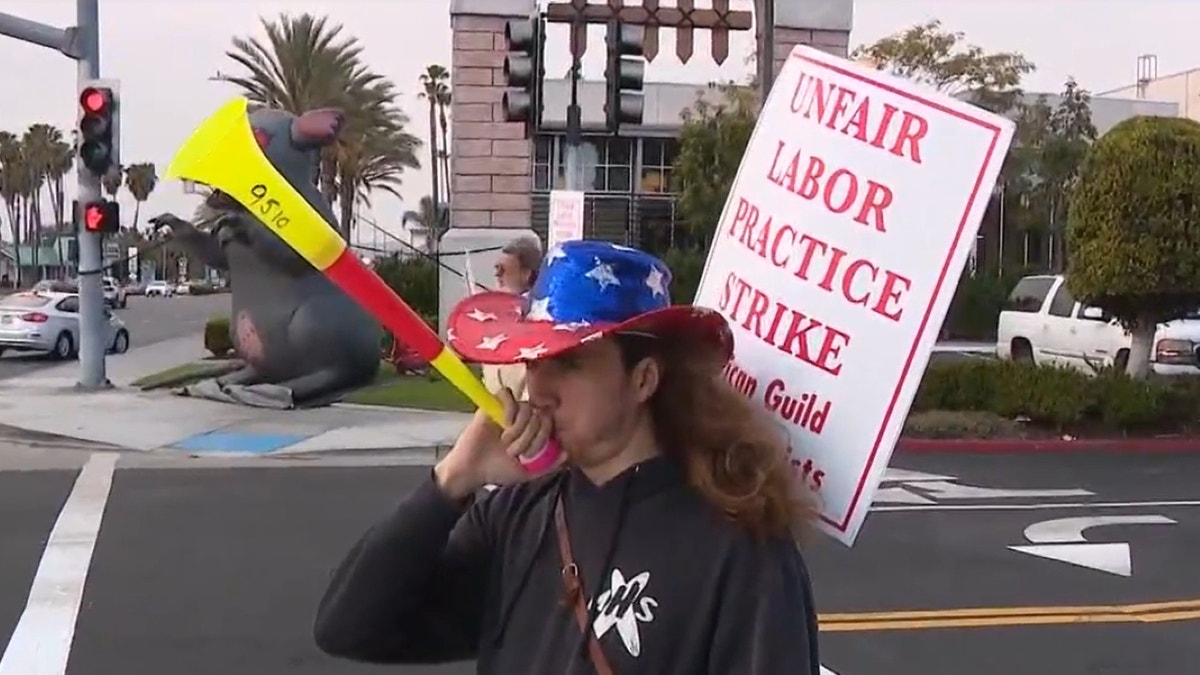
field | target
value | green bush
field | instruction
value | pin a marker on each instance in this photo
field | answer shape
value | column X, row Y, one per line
column 414, row 279
column 1060, row 399
column 1132, row 228
column 975, row 309
column 686, row 265
column 217, row 339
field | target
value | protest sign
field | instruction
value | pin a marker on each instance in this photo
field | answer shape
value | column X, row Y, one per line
column 846, row 230
column 566, row 217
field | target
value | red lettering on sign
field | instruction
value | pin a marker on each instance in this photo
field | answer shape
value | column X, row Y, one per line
column 742, row 382
column 839, row 189
column 804, row 410
column 859, row 281
column 788, row 330
column 880, row 125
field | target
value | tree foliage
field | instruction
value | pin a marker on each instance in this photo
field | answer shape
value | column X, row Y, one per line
column 1134, row 225
column 929, row 54
column 1042, row 166
column 306, row 62
column 712, row 140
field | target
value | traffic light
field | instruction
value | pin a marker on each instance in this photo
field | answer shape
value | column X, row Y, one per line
column 524, row 71
column 98, row 126
column 102, row 216
column 625, row 75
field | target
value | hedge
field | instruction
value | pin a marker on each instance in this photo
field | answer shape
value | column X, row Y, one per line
column 1061, row 399
column 217, row 340
column 415, row 279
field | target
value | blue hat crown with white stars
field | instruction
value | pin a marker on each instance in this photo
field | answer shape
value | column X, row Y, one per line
column 587, row 281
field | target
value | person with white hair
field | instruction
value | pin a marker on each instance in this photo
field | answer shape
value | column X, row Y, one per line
column 515, row 271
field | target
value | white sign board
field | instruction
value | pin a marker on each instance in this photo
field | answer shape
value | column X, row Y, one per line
column 132, row 254
column 836, row 256
column 566, row 217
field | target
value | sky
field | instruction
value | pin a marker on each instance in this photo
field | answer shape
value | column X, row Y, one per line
column 164, row 53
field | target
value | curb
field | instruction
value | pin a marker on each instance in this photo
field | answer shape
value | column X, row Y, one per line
column 1014, row 445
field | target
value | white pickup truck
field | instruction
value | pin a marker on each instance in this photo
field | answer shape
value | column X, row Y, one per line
column 1042, row 323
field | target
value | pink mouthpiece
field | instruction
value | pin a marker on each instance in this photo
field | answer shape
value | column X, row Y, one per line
column 545, row 459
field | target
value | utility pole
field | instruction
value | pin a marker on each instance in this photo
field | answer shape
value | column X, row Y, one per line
column 574, row 136
column 764, row 18
column 82, row 43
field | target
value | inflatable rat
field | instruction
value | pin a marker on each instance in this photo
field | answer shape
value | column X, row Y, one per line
column 303, row 341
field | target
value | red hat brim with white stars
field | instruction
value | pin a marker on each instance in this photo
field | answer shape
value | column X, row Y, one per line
column 491, row 328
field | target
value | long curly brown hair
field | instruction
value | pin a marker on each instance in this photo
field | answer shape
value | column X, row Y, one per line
column 732, row 454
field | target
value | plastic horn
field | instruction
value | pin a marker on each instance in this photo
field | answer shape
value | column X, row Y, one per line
column 223, row 154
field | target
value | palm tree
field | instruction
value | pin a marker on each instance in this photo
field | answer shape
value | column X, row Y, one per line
column 140, row 181
column 111, row 181
column 13, row 179
column 434, row 89
column 305, row 63
column 432, row 218
column 444, row 153
column 60, row 160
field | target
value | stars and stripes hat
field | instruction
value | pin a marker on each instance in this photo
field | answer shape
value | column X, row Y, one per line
column 585, row 290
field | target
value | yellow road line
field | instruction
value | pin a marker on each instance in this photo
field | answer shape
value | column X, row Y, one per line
column 976, row 617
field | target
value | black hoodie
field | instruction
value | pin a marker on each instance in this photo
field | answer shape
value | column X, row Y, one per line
column 681, row 588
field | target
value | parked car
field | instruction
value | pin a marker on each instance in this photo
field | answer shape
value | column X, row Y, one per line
column 49, row 322
column 55, row 286
column 114, row 294
column 1043, row 323
column 160, row 288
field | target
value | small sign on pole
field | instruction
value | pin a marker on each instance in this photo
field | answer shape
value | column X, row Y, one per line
column 566, row 217
column 846, row 230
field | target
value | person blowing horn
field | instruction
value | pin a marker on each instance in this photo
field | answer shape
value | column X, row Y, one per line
column 665, row 541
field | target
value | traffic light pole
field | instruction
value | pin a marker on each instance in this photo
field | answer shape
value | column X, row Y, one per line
column 82, row 43
column 765, row 19
column 574, row 137
column 92, row 347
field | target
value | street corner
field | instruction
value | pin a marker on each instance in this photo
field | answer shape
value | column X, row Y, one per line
column 205, row 553
column 30, row 502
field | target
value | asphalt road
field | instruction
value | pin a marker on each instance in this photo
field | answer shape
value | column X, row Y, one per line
column 149, row 320
column 203, row 570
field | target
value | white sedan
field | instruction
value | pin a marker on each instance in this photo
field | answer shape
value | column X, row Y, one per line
column 159, row 288
column 49, row 322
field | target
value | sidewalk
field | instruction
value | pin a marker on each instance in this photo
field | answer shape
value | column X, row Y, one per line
column 46, row 402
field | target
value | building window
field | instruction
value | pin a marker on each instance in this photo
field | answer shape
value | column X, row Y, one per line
column 658, row 157
column 543, row 159
column 606, row 165
column 614, row 170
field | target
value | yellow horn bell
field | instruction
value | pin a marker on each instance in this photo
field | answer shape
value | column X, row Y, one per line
column 223, row 154
column 221, row 147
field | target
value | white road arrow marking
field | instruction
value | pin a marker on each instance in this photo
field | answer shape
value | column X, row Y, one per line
column 1070, row 530
column 1062, row 540
column 947, row 490
column 894, row 475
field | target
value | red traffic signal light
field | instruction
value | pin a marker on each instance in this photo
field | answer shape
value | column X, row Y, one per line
column 102, row 216
column 95, row 100
column 97, row 128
